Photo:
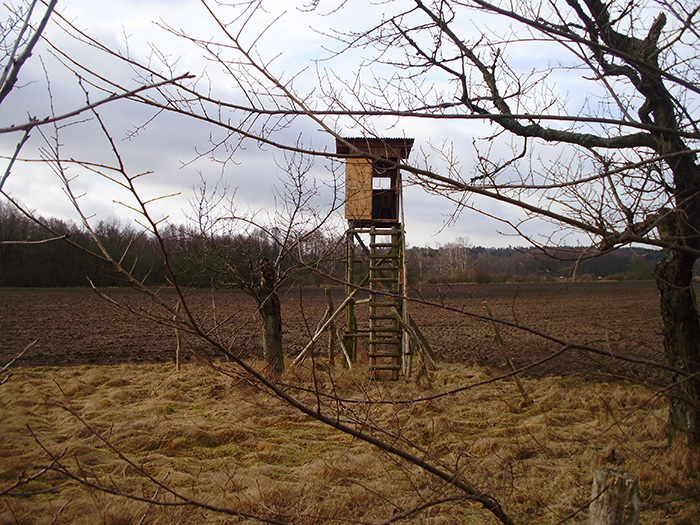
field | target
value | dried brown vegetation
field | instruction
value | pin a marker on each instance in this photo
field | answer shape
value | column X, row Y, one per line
column 222, row 441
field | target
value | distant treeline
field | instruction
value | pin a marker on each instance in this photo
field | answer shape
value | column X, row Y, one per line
column 29, row 258
column 458, row 262
column 32, row 256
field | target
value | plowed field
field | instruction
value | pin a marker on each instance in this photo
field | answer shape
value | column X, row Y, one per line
column 76, row 326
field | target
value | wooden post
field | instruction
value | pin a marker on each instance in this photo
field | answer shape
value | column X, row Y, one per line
column 331, row 332
column 501, row 345
column 350, row 339
column 411, row 328
column 343, row 349
column 615, row 498
column 323, row 328
column 178, row 337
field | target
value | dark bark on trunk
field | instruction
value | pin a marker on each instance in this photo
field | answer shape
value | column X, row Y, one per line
column 674, row 275
column 674, row 279
column 271, row 315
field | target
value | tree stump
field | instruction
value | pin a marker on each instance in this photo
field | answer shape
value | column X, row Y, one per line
column 615, row 498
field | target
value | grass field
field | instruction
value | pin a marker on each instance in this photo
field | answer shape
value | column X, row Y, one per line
column 211, row 435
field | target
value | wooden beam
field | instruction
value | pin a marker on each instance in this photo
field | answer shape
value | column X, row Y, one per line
column 320, row 331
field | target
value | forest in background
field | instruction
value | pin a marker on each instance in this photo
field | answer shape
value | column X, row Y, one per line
column 28, row 260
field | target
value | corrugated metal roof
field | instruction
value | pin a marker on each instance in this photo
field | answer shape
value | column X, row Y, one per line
column 380, row 146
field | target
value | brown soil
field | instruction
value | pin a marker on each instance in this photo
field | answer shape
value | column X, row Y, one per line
column 76, row 326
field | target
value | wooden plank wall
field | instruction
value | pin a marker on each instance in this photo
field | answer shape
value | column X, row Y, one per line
column 358, row 189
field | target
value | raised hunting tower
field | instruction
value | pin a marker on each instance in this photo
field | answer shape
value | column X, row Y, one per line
column 373, row 209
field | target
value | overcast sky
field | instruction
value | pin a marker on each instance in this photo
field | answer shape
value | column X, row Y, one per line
column 168, row 145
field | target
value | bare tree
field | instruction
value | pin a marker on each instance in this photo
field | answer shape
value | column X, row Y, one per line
column 456, row 256
column 262, row 251
column 20, row 35
column 18, row 38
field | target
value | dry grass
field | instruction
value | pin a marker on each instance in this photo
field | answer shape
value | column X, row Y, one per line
column 220, row 440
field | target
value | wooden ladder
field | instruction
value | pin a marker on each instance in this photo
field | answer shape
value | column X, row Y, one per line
column 385, row 299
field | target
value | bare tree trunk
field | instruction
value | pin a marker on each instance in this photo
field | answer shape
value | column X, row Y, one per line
column 271, row 315
column 674, row 275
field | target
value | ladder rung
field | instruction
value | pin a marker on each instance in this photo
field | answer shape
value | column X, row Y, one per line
column 348, row 334
column 386, row 367
column 386, row 233
column 383, row 279
column 385, row 341
column 383, row 304
column 380, row 317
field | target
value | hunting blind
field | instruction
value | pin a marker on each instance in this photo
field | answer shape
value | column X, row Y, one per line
column 373, row 185
column 373, row 209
